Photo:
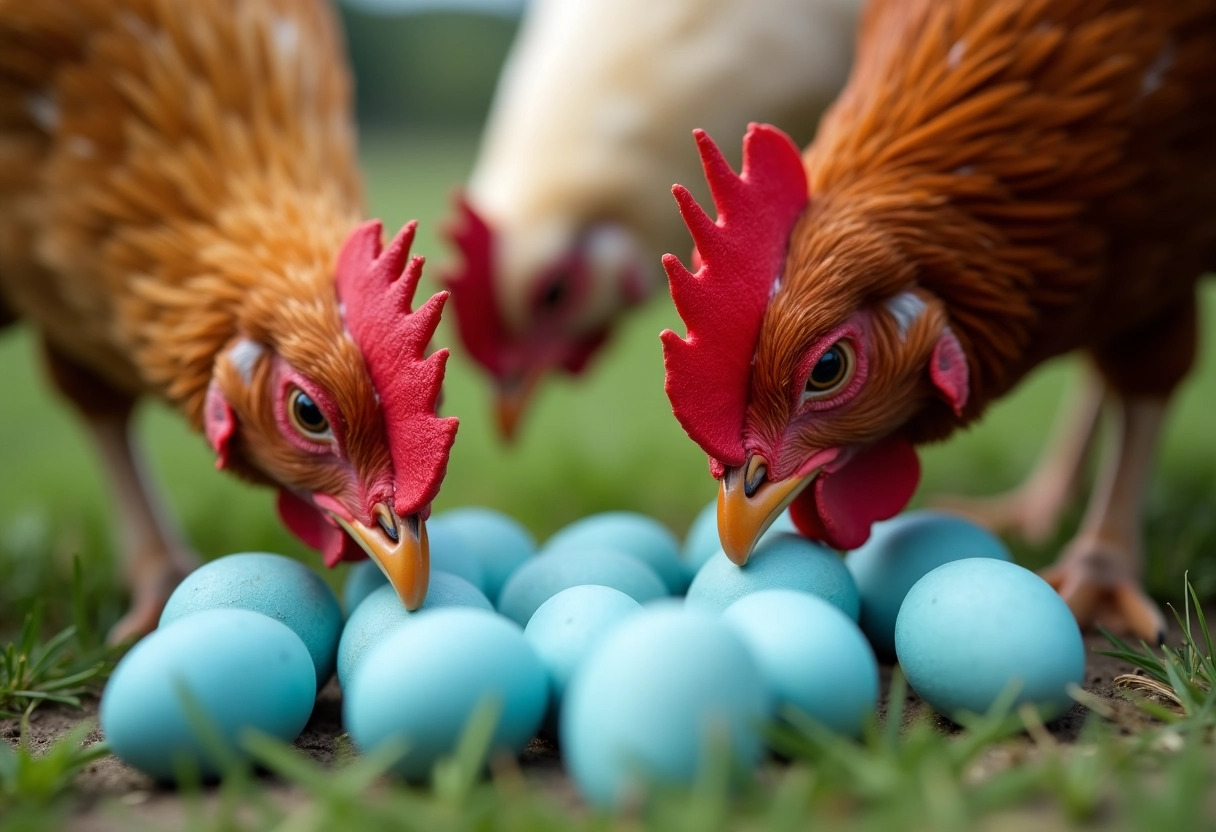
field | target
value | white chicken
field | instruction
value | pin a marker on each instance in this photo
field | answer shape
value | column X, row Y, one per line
column 568, row 210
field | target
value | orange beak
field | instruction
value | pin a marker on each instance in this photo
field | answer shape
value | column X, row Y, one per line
column 400, row 548
column 748, row 503
column 511, row 399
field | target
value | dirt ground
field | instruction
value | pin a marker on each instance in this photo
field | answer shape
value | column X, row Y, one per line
column 141, row 801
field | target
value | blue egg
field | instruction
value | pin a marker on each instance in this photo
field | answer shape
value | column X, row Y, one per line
column 240, row 670
column 541, row 578
column 500, row 544
column 782, row 561
column 422, row 684
column 637, row 535
column 450, row 552
column 899, row 553
column 383, row 612
column 564, row 629
column 661, row 693
column 813, row 656
column 701, row 542
column 971, row 628
column 274, row 585
column 362, row 579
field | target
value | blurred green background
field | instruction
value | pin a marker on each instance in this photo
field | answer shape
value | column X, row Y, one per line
column 607, row 441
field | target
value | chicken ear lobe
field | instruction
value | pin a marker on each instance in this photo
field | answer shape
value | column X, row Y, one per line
column 219, row 424
column 949, row 371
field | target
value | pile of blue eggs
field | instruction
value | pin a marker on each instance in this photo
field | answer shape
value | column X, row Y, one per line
column 644, row 656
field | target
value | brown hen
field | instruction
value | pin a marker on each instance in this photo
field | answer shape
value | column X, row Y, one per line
column 999, row 183
column 179, row 216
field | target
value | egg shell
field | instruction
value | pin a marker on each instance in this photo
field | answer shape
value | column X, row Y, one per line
column 663, row 691
column 899, row 553
column 362, row 579
column 544, row 576
column 382, row 612
column 423, row 683
column 567, row 627
column 702, row 542
column 635, row 534
column 450, row 552
column 814, row 657
column 274, row 585
column 499, row 543
column 243, row 670
column 782, row 561
column 971, row 627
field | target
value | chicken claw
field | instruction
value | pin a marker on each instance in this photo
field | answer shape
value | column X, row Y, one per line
column 1093, row 580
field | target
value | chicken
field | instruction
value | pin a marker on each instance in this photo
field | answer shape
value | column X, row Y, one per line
column 999, row 183
column 566, row 214
column 180, row 217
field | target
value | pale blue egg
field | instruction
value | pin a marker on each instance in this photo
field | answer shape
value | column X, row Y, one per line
column 422, row 684
column 240, row 670
column 702, row 542
column 382, row 612
column 541, row 578
column 899, row 553
column 274, row 585
column 781, row 561
column 566, row 628
column 635, row 534
column 813, row 656
column 451, row 552
column 362, row 579
column 971, row 628
column 661, row 693
column 499, row 543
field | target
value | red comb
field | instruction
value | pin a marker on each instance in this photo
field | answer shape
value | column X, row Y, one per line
column 376, row 290
column 472, row 289
column 722, row 305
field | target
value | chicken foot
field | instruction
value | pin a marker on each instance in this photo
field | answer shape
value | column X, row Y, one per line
column 1098, row 574
column 1033, row 510
column 154, row 558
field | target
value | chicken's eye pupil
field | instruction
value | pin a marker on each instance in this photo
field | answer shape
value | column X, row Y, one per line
column 308, row 414
column 828, row 369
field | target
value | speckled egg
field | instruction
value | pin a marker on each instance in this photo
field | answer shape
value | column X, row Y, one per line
column 567, row 627
column 813, row 656
column 969, row 629
column 422, row 684
column 782, row 561
column 659, row 693
column 240, row 669
column 635, row 534
column 899, row 553
column 541, row 578
column 383, row 612
column 499, row 544
column 701, row 541
column 274, row 585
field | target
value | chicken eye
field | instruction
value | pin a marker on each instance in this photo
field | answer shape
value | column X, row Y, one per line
column 306, row 416
column 831, row 371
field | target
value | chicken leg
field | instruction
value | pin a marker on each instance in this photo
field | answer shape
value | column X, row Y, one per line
column 1099, row 572
column 154, row 557
column 1033, row 510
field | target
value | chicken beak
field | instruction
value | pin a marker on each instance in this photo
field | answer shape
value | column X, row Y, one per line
column 511, row 399
column 748, row 503
column 400, row 548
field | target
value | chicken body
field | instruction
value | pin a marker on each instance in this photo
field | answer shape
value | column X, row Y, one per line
column 569, row 188
column 177, row 181
column 999, row 183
